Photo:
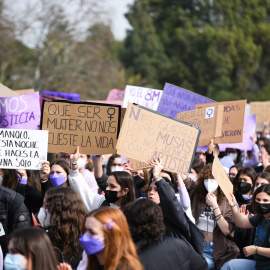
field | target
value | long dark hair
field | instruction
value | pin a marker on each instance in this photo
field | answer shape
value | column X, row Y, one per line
column 110, row 162
column 248, row 171
column 125, row 180
column 67, row 214
column 10, row 178
column 35, row 245
column 31, row 180
column 62, row 163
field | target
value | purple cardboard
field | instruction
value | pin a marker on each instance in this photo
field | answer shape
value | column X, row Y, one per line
column 176, row 99
column 20, row 112
column 67, row 96
column 249, row 130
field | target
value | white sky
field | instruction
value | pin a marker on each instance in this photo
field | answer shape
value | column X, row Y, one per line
column 114, row 8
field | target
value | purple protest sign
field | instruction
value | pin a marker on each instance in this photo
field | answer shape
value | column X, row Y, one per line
column 249, row 130
column 20, row 112
column 67, row 96
column 176, row 99
column 116, row 95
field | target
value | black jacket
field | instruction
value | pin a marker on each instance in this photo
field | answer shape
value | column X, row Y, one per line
column 13, row 213
column 171, row 254
column 177, row 223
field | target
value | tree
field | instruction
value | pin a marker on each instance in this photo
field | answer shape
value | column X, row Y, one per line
column 216, row 48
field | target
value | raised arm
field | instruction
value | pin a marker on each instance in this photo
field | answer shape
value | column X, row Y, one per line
column 98, row 171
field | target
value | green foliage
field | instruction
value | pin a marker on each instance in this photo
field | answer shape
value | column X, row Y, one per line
column 217, row 48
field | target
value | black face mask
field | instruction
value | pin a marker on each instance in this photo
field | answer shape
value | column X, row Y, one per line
column 139, row 182
column 262, row 208
column 244, row 187
column 111, row 196
column 231, row 179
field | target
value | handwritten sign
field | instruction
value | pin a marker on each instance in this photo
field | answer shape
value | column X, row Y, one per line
column 176, row 99
column 233, row 120
column 116, row 95
column 6, row 92
column 136, row 165
column 23, row 149
column 146, row 135
column 146, row 97
column 20, row 111
column 249, row 130
column 208, row 119
column 67, row 96
column 92, row 126
column 262, row 111
column 222, row 179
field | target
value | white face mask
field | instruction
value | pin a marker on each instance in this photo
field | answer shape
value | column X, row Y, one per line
column 232, row 155
column 192, row 177
column 81, row 163
column 211, row 185
column 44, row 217
column 117, row 169
column 1, row 180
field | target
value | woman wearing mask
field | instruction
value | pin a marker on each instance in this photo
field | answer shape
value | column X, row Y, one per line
column 31, row 249
column 62, row 215
column 261, row 222
column 28, row 177
column 234, row 171
column 243, row 186
column 107, row 241
column 119, row 190
column 213, row 216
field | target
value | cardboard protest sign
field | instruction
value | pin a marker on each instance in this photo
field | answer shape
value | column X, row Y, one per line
column 176, row 99
column 262, row 111
column 208, row 119
column 146, row 97
column 24, row 91
column 222, row 179
column 146, row 135
column 23, row 149
column 123, row 112
column 20, row 112
column 6, row 92
column 233, row 120
column 116, row 95
column 136, row 165
column 249, row 130
column 92, row 126
column 67, row 96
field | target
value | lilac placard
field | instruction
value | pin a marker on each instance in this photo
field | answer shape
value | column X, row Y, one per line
column 20, row 112
column 115, row 95
column 67, row 96
column 176, row 99
column 249, row 130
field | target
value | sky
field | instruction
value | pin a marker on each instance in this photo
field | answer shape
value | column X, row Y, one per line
column 115, row 10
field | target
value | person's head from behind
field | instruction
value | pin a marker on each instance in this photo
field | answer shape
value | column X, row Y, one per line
column 63, row 213
column 106, row 239
column 245, row 180
column 59, row 173
column 262, row 179
column 262, row 141
column 9, row 178
column 261, row 201
column 196, row 168
column 120, row 188
column 30, row 249
column 145, row 219
column 114, row 164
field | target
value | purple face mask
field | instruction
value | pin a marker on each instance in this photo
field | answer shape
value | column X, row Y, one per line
column 91, row 245
column 57, row 179
column 22, row 180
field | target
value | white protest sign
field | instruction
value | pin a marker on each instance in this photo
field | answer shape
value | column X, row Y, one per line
column 146, row 97
column 23, row 149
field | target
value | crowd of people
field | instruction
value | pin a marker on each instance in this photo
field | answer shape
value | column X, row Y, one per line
column 94, row 212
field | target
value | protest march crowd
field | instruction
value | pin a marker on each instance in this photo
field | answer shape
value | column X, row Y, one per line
column 134, row 189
